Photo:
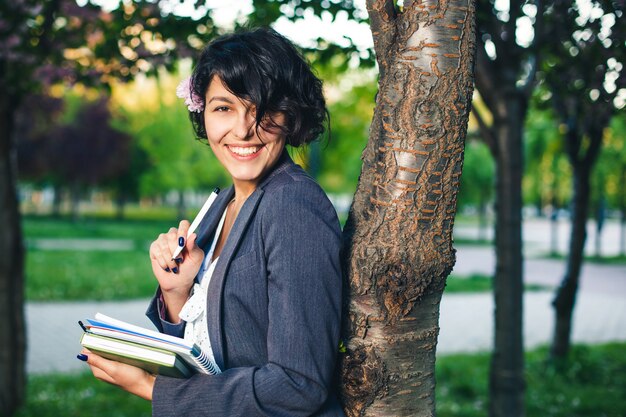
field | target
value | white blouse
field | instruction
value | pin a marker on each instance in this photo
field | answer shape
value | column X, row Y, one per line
column 194, row 310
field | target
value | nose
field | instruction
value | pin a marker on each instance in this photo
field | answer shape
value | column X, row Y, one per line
column 244, row 125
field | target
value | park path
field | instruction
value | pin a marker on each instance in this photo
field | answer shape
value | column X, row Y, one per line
column 466, row 320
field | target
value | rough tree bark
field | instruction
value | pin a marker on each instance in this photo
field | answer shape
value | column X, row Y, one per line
column 398, row 237
column 12, row 330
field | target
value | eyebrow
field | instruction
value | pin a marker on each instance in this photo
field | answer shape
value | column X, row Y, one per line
column 221, row 98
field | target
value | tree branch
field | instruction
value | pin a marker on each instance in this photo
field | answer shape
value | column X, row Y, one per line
column 486, row 79
column 382, row 14
column 528, row 85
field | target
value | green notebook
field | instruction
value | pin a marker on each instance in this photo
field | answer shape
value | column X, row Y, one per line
column 153, row 360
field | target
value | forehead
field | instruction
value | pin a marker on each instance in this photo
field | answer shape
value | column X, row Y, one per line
column 218, row 88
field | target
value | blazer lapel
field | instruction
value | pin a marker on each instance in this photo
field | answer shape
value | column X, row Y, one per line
column 216, row 286
column 207, row 226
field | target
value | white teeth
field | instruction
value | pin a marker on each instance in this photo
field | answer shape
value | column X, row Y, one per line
column 241, row 151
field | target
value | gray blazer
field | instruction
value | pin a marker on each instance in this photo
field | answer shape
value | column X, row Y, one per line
column 274, row 307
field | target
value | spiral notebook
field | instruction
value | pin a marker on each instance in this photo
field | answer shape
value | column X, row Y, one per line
column 119, row 331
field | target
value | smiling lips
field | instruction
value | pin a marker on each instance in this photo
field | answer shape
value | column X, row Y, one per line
column 244, row 151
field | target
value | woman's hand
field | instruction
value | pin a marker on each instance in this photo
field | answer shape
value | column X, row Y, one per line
column 129, row 378
column 175, row 276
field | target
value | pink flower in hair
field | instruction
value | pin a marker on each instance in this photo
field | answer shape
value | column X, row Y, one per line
column 192, row 100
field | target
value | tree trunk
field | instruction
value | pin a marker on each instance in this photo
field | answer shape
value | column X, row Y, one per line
column 180, row 207
column 12, row 331
column 622, row 241
column 482, row 219
column 506, row 378
column 398, row 237
column 554, row 232
column 120, row 204
column 57, row 201
column 75, row 195
column 565, row 298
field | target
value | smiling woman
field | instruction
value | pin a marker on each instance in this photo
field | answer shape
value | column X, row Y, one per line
column 247, row 152
column 259, row 287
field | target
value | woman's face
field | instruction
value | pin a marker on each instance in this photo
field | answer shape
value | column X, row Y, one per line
column 230, row 128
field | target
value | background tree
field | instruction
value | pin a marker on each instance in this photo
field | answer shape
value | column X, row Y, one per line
column 583, row 97
column 505, row 76
column 407, row 190
column 42, row 42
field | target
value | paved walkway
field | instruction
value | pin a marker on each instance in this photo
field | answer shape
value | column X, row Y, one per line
column 466, row 320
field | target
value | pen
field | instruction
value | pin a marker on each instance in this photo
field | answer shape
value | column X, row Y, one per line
column 198, row 219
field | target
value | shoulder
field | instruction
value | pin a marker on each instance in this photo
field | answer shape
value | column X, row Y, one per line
column 293, row 194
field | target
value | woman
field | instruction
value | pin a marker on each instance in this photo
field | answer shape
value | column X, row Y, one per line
column 259, row 285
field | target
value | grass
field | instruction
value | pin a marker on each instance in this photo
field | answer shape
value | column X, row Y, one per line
column 478, row 283
column 590, row 384
column 79, row 395
column 94, row 228
column 88, row 275
column 606, row 260
column 53, row 275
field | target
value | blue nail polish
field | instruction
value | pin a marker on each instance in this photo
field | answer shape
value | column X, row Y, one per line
column 181, row 241
column 82, row 357
column 167, row 270
column 175, row 270
column 178, row 260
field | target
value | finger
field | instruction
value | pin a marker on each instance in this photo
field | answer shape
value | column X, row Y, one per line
column 100, row 367
column 160, row 252
column 183, row 230
column 102, row 375
column 181, row 240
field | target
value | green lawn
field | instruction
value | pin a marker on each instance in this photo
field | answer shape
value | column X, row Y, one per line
column 88, row 275
column 95, row 227
column 478, row 283
column 591, row 384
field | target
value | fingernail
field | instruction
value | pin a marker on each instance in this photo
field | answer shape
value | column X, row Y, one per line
column 178, row 260
column 175, row 270
column 167, row 269
column 181, row 241
column 82, row 357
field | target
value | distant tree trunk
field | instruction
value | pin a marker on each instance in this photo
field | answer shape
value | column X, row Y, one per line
column 565, row 298
column 566, row 293
column 554, row 232
column 506, row 377
column 120, row 204
column 398, row 237
column 482, row 219
column 622, row 244
column 57, row 200
column 181, row 207
column 75, row 195
column 600, row 217
column 12, row 327
column 554, row 215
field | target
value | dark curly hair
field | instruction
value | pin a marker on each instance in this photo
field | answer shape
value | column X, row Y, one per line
column 263, row 67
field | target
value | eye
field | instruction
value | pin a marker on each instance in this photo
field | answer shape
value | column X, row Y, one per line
column 221, row 109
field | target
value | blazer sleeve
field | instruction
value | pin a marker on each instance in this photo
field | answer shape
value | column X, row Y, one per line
column 301, row 238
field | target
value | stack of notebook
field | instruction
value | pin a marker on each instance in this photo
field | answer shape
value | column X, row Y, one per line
column 155, row 352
